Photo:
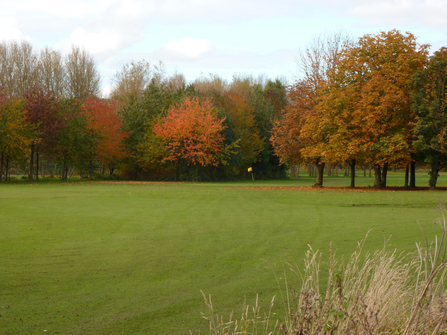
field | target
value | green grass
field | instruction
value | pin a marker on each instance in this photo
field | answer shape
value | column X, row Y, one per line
column 95, row 258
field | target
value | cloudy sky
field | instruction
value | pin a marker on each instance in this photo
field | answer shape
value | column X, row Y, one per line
column 223, row 37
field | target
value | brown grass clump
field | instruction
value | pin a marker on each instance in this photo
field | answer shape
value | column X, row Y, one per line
column 379, row 293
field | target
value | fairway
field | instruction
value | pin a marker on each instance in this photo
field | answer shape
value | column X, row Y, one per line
column 131, row 258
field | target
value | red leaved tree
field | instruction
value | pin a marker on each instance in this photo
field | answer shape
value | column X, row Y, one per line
column 105, row 130
column 42, row 110
column 192, row 132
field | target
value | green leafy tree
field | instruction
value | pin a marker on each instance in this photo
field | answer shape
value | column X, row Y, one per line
column 429, row 101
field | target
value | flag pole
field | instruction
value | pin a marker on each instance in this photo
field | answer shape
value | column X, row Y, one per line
column 250, row 169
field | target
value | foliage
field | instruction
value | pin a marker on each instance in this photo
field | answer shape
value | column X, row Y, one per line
column 42, row 111
column 429, row 98
column 287, row 137
column 368, row 99
column 105, row 125
column 74, row 147
column 192, row 132
column 15, row 133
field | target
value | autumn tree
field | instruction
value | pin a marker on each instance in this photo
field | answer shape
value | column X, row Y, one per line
column 254, row 90
column 191, row 132
column 83, row 77
column 429, row 98
column 301, row 133
column 14, row 132
column 42, row 110
column 139, row 118
column 368, row 100
column 106, row 136
column 286, row 136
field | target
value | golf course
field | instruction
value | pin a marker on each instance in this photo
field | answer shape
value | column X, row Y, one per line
column 133, row 257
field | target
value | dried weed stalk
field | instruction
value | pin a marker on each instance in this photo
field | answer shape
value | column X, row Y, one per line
column 379, row 293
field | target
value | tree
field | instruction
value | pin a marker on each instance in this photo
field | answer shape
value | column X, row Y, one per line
column 83, row 78
column 42, row 109
column 275, row 93
column 429, row 101
column 367, row 99
column 104, row 127
column 287, row 139
column 139, row 118
column 14, row 131
column 74, row 145
column 18, row 68
column 191, row 132
column 300, row 134
column 52, row 73
column 241, row 128
column 130, row 82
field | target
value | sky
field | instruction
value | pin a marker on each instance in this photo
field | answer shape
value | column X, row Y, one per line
column 203, row 37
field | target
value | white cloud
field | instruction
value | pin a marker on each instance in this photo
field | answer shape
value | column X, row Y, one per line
column 9, row 29
column 395, row 12
column 96, row 42
column 185, row 49
column 120, row 25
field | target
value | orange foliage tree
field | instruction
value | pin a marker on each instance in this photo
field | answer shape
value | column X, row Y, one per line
column 104, row 126
column 367, row 101
column 287, row 138
column 191, row 132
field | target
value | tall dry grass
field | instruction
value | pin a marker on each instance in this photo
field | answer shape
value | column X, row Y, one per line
column 379, row 293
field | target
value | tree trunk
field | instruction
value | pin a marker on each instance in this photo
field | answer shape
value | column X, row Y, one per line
column 370, row 169
column 384, row 173
column 407, row 172
column 434, row 173
column 377, row 176
column 320, row 168
column 413, row 174
column 64, row 171
column 1, row 166
column 364, row 171
column 352, row 164
column 7, row 169
column 90, row 170
column 31, row 163
column 336, row 170
column 37, row 162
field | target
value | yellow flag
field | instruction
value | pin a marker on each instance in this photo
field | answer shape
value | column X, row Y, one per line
column 250, row 169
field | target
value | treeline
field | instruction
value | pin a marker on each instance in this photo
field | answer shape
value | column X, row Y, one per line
column 380, row 100
column 153, row 125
